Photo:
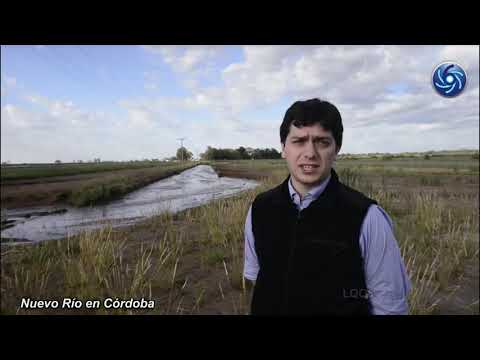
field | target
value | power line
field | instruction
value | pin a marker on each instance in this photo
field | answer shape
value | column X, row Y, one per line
column 181, row 146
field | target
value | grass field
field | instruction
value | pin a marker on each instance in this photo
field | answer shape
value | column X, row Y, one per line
column 192, row 262
column 35, row 171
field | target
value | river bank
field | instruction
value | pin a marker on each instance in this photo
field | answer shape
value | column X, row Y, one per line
column 83, row 189
column 183, row 261
column 190, row 188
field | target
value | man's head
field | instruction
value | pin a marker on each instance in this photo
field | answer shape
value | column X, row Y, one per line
column 311, row 137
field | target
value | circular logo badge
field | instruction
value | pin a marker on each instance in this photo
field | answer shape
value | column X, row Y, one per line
column 449, row 79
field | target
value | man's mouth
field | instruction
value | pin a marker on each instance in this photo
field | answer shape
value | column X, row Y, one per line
column 309, row 167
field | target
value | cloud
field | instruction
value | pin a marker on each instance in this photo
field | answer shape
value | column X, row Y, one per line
column 67, row 133
column 359, row 79
column 193, row 64
column 375, row 87
column 186, row 58
column 16, row 117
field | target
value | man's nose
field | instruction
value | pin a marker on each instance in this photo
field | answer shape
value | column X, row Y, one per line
column 310, row 150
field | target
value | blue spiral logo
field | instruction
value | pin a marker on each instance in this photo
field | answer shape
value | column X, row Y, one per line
column 449, row 79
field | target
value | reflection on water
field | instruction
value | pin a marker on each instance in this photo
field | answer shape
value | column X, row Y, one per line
column 191, row 188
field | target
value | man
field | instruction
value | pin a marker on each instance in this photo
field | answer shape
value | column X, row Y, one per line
column 314, row 246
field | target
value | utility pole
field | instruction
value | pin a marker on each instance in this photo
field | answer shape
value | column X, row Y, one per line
column 181, row 146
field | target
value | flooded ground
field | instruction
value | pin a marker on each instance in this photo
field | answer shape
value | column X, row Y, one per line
column 191, row 188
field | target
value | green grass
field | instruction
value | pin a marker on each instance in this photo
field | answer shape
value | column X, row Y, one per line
column 32, row 171
column 441, row 164
column 111, row 188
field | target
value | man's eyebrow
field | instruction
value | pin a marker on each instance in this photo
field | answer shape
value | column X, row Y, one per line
column 323, row 137
column 298, row 137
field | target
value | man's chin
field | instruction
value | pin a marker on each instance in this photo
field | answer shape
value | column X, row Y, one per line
column 309, row 180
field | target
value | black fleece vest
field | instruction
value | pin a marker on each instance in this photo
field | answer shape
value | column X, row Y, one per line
column 310, row 260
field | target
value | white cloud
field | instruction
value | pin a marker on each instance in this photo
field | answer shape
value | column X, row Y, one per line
column 186, row 58
column 373, row 86
column 140, row 118
column 16, row 117
column 192, row 63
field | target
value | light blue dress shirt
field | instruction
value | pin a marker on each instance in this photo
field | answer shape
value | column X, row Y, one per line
column 385, row 275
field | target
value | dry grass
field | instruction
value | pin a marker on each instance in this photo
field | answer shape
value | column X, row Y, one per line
column 192, row 262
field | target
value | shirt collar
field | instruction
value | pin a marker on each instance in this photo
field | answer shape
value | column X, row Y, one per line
column 314, row 193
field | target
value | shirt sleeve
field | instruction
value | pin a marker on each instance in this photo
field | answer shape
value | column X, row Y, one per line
column 385, row 274
column 251, row 266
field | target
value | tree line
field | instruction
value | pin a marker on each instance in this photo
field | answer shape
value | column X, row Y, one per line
column 240, row 153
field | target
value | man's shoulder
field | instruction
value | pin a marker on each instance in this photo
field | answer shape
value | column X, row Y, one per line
column 268, row 197
column 377, row 217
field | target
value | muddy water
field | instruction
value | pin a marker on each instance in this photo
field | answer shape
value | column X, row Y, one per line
column 191, row 188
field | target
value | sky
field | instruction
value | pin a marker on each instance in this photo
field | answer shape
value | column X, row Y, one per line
column 134, row 102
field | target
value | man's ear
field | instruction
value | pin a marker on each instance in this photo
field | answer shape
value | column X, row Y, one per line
column 283, row 150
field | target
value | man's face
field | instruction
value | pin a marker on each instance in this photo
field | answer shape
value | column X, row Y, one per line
column 310, row 152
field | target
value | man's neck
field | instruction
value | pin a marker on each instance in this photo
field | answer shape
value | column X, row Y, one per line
column 303, row 189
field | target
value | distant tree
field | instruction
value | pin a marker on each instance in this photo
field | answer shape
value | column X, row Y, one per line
column 208, row 154
column 183, row 154
column 58, row 162
column 230, row 154
column 243, row 153
column 266, row 154
column 239, row 153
